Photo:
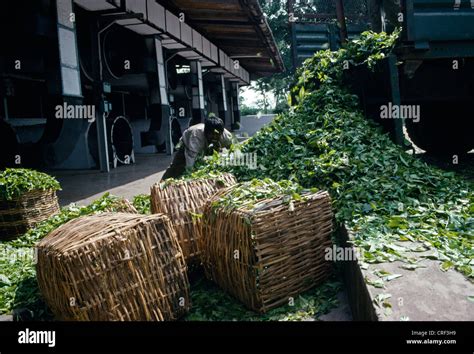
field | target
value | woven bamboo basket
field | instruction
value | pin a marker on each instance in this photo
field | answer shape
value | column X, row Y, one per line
column 268, row 255
column 20, row 214
column 183, row 202
column 114, row 267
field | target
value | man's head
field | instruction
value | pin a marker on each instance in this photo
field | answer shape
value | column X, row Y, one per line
column 213, row 129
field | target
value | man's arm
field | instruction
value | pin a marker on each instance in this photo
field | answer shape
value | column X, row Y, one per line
column 190, row 157
column 193, row 144
column 227, row 139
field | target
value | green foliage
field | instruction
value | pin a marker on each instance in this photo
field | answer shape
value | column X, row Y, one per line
column 212, row 304
column 248, row 111
column 188, row 176
column 247, row 195
column 327, row 67
column 389, row 199
column 281, row 107
column 15, row 182
column 142, row 203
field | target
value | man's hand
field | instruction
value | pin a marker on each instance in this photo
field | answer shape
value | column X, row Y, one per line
column 211, row 148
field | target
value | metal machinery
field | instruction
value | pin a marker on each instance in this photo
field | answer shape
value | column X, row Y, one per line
column 90, row 83
column 314, row 26
column 432, row 68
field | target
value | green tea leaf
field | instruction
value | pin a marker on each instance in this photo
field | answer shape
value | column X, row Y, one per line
column 377, row 283
column 446, row 265
column 412, row 266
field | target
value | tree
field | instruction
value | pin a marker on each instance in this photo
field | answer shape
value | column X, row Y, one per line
column 263, row 88
column 278, row 19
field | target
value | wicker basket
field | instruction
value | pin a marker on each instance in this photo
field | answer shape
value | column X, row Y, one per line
column 183, row 202
column 19, row 215
column 268, row 255
column 114, row 266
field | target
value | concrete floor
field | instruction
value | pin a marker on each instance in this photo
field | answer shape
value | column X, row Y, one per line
column 82, row 187
column 424, row 294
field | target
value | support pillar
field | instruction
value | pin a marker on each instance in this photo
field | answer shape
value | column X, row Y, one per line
column 235, row 106
column 99, row 98
column 159, row 99
column 99, row 102
column 223, row 104
column 396, row 99
column 61, row 140
column 198, row 93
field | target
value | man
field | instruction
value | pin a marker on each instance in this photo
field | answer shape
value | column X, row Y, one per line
column 200, row 138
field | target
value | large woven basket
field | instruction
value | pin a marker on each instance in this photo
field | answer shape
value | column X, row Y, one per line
column 183, row 202
column 20, row 214
column 266, row 256
column 114, row 266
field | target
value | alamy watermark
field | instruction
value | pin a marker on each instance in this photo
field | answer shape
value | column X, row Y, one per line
column 395, row 111
column 238, row 158
column 37, row 337
column 22, row 255
column 336, row 253
column 67, row 111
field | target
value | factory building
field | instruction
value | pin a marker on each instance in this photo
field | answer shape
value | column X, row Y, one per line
column 88, row 84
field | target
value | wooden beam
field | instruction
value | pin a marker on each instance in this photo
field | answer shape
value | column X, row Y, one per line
column 217, row 21
column 245, row 51
column 245, row 38
column 228, row 28
column 208, row 4
column 207, row 14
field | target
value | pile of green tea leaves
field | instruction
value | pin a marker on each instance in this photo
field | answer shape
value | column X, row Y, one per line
column 209, row 303
column 249, row 195
column 15, row 182
column 393, row 203
column 18, row 285
column 327, row 67
column 216, row 175
column 142, row 203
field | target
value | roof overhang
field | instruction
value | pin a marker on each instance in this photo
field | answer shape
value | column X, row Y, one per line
column 231, row 37
column 238, row 27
